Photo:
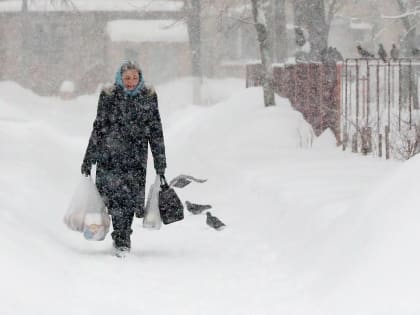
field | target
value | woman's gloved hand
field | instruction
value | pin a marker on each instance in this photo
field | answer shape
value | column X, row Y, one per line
column 85, row 169
column 139, row 213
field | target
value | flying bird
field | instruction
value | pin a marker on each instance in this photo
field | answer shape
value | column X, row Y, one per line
column 382, row 53
column 394, row 52
column 364, row 53
column 214, row 222
column 196, row 208
column 183, row 180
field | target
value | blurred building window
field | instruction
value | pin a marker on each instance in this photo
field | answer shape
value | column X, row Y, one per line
column 47, row 41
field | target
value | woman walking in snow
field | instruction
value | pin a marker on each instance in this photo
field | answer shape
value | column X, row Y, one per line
column 127, row 121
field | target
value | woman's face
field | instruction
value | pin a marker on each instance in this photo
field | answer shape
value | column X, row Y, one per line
column 130, row 79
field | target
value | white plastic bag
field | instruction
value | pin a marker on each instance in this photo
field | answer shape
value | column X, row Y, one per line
column 87, row 212
column 152, row 218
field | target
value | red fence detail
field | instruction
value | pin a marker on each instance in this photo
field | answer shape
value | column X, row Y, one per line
column 313, row 89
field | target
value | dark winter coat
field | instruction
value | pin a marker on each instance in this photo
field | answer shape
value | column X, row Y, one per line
column 123, row 128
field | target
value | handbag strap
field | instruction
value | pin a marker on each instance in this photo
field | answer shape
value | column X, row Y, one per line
column 163, row 182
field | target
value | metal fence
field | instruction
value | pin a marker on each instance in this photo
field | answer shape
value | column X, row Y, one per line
column 370, row 105
column 379, row 105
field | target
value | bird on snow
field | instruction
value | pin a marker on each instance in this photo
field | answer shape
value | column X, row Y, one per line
column 394, row 52
column 214, row 222
column 196, row 208
column 364, row 53
column 382, row 53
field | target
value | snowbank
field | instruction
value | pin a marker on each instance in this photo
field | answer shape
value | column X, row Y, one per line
column 326, row 140
column 385, row 277
column 241, row 128
column 309, row 230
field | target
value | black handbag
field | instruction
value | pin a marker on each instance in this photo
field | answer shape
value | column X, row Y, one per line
column 170, row 206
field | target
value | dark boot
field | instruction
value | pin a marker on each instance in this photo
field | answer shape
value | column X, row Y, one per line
column 122, row 232
column 122, row 243
column 122, row 239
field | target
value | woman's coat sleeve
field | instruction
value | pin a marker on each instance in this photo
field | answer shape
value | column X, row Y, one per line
column 157, row 143
column 99, row 129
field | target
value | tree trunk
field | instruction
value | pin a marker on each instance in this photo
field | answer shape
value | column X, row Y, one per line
column 269, row 16
column 24, row 6
column 265, row 46
column 193, row 10
column 26, row 50
column 310, row 15
column 280, row 38
column 407, row 44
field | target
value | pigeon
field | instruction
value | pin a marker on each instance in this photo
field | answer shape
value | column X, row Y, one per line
column 214, row 222
column 416, row 52
column 196, row 208
column 394, row 52
column 337, row 55
column 299, row 37
column 364, row 53
column 382, row 53
column 326, row 56
column 331, row 55
column 183, row 180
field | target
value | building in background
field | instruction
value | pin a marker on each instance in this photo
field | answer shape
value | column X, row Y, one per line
column 49, row 44
column 161, row 47
column 84, row 43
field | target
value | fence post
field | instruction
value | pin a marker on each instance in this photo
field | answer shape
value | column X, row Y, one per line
column 307, row 88
column 294, row 87
column 357, row 98
column 410, row 93
column 399, row 94
column 246, row 76
column 337, row 101
column 345, row 132
column 380, row 145
column 378, row 106
column 345, row 140
column 366, row 140
column 354, row 145
column 367, row 92
column 389, row 94
column 387, row 142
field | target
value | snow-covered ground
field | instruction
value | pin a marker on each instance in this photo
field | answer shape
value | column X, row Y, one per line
column 310, row 229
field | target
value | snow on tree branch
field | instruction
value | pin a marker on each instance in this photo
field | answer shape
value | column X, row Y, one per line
column 400, row 16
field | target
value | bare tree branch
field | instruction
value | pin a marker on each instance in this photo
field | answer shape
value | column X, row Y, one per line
column 259, row 8
column 331, row 11
column 142, row 7
column 405, row 19
column 54, row 3
column 241, row 20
